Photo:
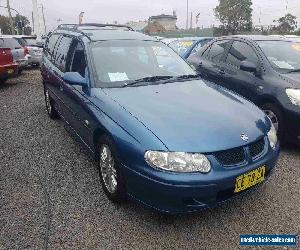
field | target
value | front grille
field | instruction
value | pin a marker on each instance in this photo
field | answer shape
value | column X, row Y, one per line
column 257, row 148
column 231, row 157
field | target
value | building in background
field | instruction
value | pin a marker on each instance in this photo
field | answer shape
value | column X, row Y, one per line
column 167, row 21
column 137, row 26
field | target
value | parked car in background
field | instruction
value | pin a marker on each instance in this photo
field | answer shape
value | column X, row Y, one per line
column 19, row 53
column 292, row 38
column 264, row 69
column 189, row 45
column 33, row 48
column 8, row 67
column 161, row 135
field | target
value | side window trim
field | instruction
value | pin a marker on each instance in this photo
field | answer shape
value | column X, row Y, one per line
column 248, row 44
column 225, row 53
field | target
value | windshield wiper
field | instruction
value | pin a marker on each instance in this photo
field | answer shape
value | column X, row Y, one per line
column 293, row 71
column 186, row 77
column 148, row 79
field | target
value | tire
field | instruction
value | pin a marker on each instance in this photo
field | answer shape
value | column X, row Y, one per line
column 276, row 116
column 50, row 105
column 112, row 180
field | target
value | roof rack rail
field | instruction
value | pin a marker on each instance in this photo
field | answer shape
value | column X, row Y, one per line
column 99, row 25
column 67, row 26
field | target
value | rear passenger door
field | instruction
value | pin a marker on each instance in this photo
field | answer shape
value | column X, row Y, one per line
column 48, row 68
column 245, row 83
column 59, row 61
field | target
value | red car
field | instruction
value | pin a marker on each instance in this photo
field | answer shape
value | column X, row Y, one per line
column 8, row 67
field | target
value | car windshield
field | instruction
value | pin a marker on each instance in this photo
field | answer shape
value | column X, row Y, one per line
column 181, row 46
column 119, row 62
column 284, row 56
column 31, row 41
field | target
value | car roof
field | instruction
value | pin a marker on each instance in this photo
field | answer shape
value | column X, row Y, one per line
column 104, row 35
column 103, row 32
column 259, row 37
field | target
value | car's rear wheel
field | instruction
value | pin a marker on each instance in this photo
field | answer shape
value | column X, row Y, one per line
column 109, row 167
column 53, row 114
column 276, row 116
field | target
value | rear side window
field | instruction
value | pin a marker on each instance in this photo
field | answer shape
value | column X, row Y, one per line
column 218, row 50
column 240, row 52
column 50, row 45
column 9, row 43
column 62, row 53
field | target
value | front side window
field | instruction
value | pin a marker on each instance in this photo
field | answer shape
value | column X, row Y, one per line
column 284, row 56
column 240, row 52
column 122, row 61
column 217, row 50
column 62, row 53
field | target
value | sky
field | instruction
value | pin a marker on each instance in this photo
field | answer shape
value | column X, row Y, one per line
column 123, row 11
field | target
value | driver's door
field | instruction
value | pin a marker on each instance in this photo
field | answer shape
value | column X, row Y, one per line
column 78, row 96
column 245, row 83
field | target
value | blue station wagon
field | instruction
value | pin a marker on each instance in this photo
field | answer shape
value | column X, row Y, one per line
column 161, row 135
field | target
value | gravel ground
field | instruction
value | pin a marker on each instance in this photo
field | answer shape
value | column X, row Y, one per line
column 51, row 198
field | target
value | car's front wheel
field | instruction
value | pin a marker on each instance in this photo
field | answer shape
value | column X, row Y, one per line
column 276, row 116
column 50, row 105
column 109, row 167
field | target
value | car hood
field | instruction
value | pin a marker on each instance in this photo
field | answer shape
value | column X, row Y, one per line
column 293, row 78
column 193, row 116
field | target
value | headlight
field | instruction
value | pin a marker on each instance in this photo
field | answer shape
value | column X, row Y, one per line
column 272, row 135
column 294, row 95
column 178, row 162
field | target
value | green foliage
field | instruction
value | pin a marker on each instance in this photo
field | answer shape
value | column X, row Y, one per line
column 4, row 25
column 21, row 25
column 235, row 16
column 286, row 24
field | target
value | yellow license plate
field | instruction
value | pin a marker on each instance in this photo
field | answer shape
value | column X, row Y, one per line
column 250, row 179
column 10, row 71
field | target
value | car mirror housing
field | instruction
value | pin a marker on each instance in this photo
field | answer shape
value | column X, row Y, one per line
column 74, row 78
column 248, row 67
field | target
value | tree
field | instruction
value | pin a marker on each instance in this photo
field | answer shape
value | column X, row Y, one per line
column 235, row 15
column 286, row 24
column 21, row 23
column 5, row 25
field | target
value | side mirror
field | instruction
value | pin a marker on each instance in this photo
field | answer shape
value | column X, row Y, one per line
column 74, row 78
column 248, row 67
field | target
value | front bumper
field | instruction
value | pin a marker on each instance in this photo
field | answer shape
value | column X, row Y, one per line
column 292, row 117
column 182, row 193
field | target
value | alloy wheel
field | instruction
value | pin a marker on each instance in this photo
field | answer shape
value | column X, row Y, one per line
column 108, row 170
column 273, row 118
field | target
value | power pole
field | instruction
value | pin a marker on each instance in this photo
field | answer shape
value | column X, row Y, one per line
column 44, row 20
column 36, row 19
column 191, row 24
column 11, row 22
column 187, row 14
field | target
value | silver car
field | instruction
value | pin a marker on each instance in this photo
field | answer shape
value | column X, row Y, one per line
column 33, row 48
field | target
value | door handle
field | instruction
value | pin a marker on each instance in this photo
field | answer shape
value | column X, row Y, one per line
column 61, row 88
column 222, row 72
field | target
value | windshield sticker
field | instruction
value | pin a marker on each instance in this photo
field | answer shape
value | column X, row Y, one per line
column 118, row 77
column 296, row 47
column 283, row 65
column 186, row 44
